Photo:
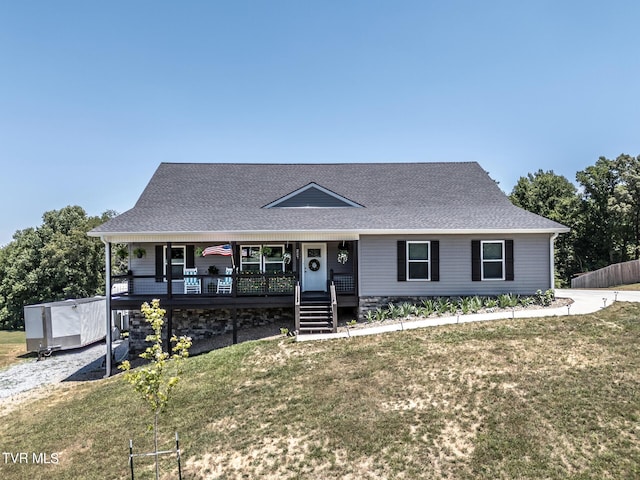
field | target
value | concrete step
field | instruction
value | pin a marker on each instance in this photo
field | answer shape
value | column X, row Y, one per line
column 315, row 330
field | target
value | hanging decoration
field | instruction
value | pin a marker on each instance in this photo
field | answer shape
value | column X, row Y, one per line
column 343, row 254
column 286, row 256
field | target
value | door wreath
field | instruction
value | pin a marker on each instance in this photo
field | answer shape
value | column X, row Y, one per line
column 314, row 265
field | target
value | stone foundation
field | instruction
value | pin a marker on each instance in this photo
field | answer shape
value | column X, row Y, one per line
column 200, row 324
column 367, row 304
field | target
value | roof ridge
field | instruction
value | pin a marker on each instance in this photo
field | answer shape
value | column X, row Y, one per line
column 320, row 163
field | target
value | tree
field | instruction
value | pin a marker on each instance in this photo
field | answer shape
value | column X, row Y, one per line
column 601, row 234
column 625, row 203
column 554, row 197
column 54, row 261
column 156, row 381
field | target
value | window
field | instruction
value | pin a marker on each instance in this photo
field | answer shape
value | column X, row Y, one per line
column 492, row 260
column 266, row 258
column 273, row 258
column 418, row 260
column 177, row 262
column 250, row 260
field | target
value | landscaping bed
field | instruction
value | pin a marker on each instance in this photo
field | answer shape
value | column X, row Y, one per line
column 453, row 306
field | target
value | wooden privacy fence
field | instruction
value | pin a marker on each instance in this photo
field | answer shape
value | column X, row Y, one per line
column 618, row 274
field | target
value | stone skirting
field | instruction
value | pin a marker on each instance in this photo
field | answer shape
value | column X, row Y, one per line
column 201, row 324
column 367, row 304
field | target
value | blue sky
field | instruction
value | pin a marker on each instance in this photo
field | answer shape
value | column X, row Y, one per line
column 94, row 95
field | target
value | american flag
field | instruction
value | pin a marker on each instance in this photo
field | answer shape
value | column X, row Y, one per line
column 217, row 250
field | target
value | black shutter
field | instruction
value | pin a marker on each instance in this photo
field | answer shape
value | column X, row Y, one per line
column 476, row 268
column 190, row 261
column 435, row 261
column 508, row 256
column 402, row 261
column 159, row 263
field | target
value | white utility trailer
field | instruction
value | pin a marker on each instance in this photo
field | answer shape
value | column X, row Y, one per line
column 65, row 325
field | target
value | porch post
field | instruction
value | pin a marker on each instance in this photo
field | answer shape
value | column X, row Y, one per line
column 169, row 271
column 235, row 325
column 107, row 294
column 235, row 261
column 169, row 295
column 356, row 262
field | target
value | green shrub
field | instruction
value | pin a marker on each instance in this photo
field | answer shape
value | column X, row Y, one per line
column 465, row 304
column 476, row 304
column 381, row 314
column 444, row 306
column 490, row 302
column 408, row 309
column 428, row 307
column 394, row 311
column 508, row 300
column 545, row 298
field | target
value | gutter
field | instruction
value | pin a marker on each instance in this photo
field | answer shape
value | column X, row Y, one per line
column 332, row 234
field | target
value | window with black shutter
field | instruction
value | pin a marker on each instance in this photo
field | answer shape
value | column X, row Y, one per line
column 418, row 260
column 492, row 260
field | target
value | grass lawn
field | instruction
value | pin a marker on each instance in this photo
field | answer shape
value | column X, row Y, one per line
column 629, row 287
column 12, row 345
column 554, row 398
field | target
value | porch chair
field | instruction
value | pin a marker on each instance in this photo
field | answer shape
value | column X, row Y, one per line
column 225, row 283
column 192, row 283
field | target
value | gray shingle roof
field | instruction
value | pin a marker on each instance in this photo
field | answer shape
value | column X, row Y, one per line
column 219, row 197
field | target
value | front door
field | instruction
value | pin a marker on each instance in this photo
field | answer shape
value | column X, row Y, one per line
column 314, row 267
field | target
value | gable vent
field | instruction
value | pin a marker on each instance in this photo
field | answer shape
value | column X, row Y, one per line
column 313, row 196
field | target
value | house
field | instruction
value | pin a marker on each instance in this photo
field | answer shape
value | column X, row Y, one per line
column 278, row 239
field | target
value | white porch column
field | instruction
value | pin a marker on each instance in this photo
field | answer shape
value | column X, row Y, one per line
column 108, row 340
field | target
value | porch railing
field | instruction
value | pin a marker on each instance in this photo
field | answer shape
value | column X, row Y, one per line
column 345, row 282
column 242, row 284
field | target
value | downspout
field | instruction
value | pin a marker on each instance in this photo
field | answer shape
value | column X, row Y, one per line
column 552, row 263
column 107, row 292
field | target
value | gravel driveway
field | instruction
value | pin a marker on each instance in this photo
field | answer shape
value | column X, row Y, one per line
column 79, row 364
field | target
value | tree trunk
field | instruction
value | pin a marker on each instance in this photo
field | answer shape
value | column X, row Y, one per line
column 155, row 443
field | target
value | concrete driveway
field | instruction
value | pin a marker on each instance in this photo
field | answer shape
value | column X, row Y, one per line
column 589, row 301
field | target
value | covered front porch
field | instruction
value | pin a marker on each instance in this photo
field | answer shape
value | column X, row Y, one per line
column 235, row 274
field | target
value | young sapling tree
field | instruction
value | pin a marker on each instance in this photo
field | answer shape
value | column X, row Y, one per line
column 156, row 380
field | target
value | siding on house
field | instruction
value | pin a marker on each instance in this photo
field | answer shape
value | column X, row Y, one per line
column 377, row 258
column 378, row 266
